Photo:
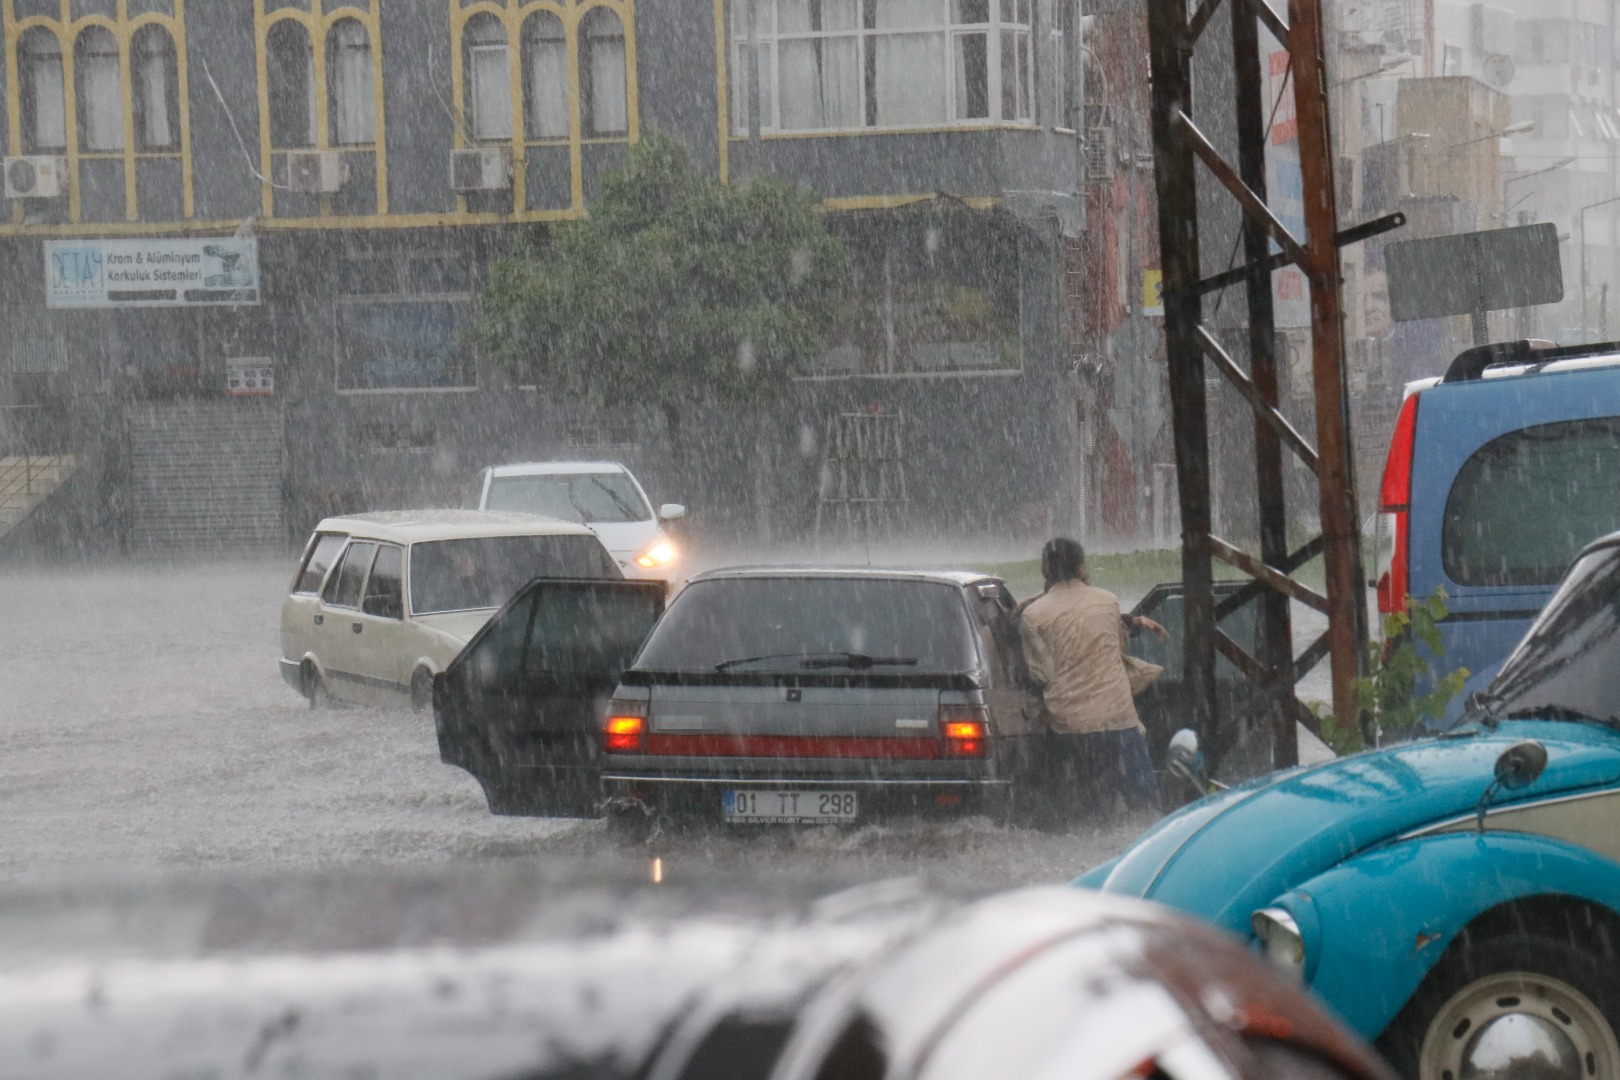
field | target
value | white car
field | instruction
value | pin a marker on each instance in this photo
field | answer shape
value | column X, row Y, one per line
column 383, row 602
column 601, row 494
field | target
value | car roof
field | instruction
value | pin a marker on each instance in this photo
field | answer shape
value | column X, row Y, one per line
column 414, row 526
column 960, row 578
column 553, row 468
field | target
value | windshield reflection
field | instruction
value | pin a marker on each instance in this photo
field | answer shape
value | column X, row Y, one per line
column 1567, row 663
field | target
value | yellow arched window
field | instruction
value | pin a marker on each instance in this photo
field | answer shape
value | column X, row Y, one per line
column 545, row 77
column 320, row 88
column 569, row 71
column 109, row 86
column 487, row 69
column 43, row 90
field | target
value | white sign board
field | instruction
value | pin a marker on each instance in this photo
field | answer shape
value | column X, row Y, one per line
column 156, row 272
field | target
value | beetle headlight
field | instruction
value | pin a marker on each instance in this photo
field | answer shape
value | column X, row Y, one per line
column 1280, row 940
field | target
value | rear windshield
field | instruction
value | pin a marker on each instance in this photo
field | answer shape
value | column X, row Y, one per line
column 459, row 575
column 583, row 497
column 793, row 623
column 1526, row 503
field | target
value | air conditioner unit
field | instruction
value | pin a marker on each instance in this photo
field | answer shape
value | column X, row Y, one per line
column 316, row 172
column 1099, row 153
column 35, row 177
column 486, row 168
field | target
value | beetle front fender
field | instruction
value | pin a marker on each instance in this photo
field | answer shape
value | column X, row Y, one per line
column 1374, row 925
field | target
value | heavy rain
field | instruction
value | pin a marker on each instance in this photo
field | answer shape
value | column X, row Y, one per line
column 630, row 534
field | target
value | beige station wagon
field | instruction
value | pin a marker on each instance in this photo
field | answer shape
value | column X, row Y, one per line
column 382, row 602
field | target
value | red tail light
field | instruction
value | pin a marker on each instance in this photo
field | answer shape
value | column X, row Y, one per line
column 1395, row 498
column 626, row 726
column 966, row 729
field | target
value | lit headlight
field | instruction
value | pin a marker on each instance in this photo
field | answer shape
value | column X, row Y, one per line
column 1280, row 940
column 660, row 554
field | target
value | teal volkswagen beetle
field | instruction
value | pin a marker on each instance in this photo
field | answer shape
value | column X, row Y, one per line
column 1456, row 898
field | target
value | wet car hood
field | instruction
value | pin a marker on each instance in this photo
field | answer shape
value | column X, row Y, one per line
column 459, row 625
column 1237, row 851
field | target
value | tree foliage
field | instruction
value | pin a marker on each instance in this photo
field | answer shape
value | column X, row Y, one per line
column 676, row 290
column 1388, row 692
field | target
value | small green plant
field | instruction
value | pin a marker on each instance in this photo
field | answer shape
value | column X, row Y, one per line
column 1388, row 692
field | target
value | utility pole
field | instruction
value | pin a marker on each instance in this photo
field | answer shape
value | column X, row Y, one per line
column 1180, row 146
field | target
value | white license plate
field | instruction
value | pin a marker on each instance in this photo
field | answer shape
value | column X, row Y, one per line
column 788, row 807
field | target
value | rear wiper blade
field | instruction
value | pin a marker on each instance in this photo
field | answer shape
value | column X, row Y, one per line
column 857, row 660
column 822, row 660
column 727, row 665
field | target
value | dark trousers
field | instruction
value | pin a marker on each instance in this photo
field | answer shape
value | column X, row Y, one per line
column 1065, row 780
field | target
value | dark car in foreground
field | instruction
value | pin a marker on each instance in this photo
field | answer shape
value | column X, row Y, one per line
column 763, row 696
column 1456, row 897
column 501, row 973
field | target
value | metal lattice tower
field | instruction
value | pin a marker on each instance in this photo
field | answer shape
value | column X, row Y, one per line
column 1176, row 28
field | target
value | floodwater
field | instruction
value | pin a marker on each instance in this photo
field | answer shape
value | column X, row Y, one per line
column 144, row 727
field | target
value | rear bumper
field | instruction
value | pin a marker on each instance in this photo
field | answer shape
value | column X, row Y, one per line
column 292, row 673
column 702, row 796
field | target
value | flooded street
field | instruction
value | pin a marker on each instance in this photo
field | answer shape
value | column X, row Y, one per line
column 144, row 726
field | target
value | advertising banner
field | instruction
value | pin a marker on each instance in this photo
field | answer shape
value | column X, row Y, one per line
column 155, row 272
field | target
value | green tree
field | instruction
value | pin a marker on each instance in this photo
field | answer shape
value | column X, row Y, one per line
column 676, row 291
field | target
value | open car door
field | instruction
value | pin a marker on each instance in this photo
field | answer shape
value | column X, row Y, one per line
column 1164, row 707
column 521, row 708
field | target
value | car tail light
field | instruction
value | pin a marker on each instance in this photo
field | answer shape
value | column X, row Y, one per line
column 966, row 729
column 625, row 727
column 1395, row 500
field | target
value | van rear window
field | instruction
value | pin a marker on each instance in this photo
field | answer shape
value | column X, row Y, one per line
column 1527, row 502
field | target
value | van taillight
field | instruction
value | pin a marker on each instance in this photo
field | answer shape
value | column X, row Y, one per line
column 966, row 729
column 1395, row 499
column 625, row 727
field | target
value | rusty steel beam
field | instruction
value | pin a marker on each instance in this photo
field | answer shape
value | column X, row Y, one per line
column 1175, row 183
column 1346, row 580
column 1180, row 146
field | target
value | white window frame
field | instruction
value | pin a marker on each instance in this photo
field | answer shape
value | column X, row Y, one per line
column 755, row 25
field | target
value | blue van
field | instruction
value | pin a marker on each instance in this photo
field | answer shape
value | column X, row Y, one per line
column 1499, row 473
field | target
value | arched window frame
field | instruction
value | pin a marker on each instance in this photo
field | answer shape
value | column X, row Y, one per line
column 604, row 73
column 42, row 91
column 546, row 110
column 318, row 18
column 98, row 91
column 155, row 82
column 124, row 30
column 290, row 79
column 351, row 84
column 487, row 78
column 562, row 116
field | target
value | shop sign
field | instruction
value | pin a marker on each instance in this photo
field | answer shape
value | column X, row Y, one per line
column 155, row 272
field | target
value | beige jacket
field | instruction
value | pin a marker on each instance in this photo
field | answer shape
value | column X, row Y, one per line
column 1072, row 644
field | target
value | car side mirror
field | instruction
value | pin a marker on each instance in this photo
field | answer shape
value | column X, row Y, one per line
column 671, row 511
column 1520, row 765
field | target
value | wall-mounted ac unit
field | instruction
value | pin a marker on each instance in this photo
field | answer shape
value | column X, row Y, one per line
column 35, row 177
column 317, row 172
column 1099, row 153
column 485, row 168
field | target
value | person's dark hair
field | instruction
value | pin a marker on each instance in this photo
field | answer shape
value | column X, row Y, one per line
column 1063, row 559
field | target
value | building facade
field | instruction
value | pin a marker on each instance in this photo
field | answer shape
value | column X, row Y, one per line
column 226, row 218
